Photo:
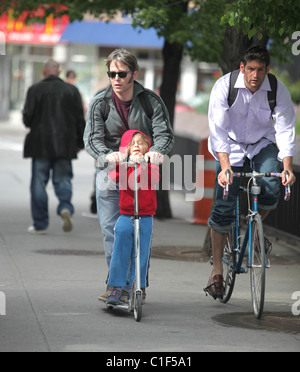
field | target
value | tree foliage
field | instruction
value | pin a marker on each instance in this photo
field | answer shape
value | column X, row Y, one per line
column 276, row 18
column 200, row 30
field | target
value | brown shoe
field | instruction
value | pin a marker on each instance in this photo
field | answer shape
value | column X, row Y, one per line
column 215, row 287
column 104, row 296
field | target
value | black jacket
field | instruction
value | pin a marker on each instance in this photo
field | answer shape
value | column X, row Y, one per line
column 54, row 113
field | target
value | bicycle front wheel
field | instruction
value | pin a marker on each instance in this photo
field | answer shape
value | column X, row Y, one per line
column 258, row 266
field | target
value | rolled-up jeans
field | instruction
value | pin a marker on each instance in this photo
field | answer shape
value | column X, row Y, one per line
column 222, row 215
column 107, row 196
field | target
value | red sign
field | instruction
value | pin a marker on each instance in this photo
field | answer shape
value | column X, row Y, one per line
column 17, row 31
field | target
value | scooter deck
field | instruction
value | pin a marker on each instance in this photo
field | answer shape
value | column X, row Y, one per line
column 122, row 306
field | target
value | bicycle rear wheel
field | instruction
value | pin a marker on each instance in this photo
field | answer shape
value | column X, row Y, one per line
column 258, row 266
column 229, row 263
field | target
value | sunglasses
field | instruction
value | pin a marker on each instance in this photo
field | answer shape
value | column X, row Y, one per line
column 122, row 74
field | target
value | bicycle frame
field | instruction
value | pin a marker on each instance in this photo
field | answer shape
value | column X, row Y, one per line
column 255, row 191
column 240, row 252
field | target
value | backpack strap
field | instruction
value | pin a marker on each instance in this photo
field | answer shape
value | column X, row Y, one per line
column 232, row 93
column 144, row 100
column 273, row 92
column 147, row 107
column 104, row 110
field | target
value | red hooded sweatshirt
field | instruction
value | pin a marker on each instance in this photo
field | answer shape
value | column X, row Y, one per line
column 148, row 177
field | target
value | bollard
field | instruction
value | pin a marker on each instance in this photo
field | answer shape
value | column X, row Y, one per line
column 202, row 208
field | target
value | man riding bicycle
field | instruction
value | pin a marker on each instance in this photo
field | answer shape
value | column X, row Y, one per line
column 248, row 129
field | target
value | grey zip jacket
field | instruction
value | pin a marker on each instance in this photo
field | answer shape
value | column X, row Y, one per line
column 101, row 138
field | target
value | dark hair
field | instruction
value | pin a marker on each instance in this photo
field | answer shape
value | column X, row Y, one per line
column 257, row 53
column 125, row 57
column 69, row 73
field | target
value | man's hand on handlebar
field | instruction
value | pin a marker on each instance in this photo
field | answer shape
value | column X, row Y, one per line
column 225, row 177
column 115, row 157
column 154, row 157
column 288, row 178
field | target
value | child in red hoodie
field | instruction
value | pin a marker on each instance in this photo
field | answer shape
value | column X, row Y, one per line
column 135, row 145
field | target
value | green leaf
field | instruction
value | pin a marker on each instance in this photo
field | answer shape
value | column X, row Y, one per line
column 252, row 32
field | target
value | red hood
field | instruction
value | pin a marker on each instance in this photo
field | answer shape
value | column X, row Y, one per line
column 126, row 139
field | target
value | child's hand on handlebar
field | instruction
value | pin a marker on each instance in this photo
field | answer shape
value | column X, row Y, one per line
column 136, row 157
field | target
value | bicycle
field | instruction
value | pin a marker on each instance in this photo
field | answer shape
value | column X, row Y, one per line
column 235, row 247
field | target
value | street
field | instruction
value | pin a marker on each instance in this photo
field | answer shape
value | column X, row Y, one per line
column 51, row 283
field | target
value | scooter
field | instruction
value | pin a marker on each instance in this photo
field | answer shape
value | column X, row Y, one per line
column 135, row 302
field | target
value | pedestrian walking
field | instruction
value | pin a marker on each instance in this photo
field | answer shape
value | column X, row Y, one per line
column 54, row 114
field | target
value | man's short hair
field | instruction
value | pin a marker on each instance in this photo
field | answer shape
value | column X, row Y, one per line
column 70, row 74
column 51, row 65
column 257, row 53
column 125, row 57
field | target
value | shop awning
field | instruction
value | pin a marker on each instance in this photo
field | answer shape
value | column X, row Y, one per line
column 111, row 34
column 16, row 30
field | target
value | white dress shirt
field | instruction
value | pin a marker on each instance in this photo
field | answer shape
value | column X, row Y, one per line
column 246, row 127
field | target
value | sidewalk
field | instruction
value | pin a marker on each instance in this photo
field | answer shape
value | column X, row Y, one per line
column 51, row 282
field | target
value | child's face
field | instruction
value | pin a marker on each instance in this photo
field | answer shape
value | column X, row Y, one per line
column 138, row 145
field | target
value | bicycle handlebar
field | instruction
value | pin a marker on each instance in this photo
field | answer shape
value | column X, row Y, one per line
column 254, row 175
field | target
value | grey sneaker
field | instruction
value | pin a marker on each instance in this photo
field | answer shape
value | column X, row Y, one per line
column 32, row 230
column 125, row 297
column 67, row 222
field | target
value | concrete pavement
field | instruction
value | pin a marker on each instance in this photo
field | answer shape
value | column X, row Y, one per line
column 51, row 282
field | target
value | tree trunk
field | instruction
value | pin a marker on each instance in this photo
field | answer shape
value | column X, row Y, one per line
column 235, row 44
column 172, row 55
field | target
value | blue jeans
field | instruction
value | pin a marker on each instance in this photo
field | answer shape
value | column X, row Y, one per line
column 107, row 196
column 62, row 175
column 123, row 257
column 222, row 215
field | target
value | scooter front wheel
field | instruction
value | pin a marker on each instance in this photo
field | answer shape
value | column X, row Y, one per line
column 137, row 310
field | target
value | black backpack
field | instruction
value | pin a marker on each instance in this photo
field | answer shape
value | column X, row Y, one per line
column 232, row 94
column 144, row 100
